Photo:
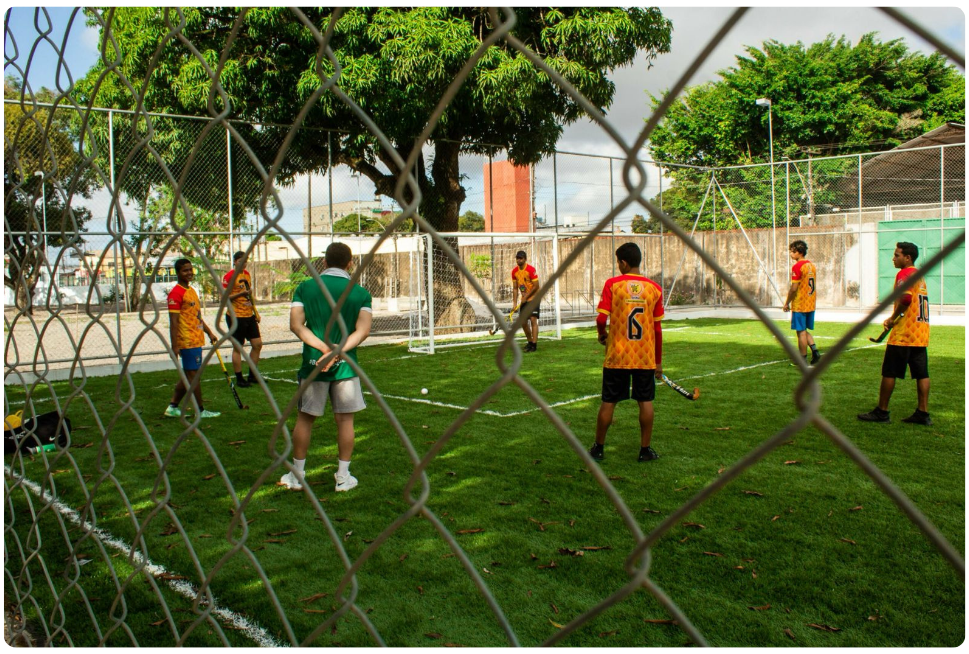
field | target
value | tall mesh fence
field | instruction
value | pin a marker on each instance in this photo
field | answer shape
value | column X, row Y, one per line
column 98, row 205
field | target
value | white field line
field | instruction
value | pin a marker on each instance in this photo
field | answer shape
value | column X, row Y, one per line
column 766, row 363
column 255, row 633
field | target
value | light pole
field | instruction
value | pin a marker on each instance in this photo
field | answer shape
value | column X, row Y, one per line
column 43, row 206
column 357, row 175
column 765, row 102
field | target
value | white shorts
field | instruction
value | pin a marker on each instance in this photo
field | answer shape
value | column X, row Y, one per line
column 345, row 395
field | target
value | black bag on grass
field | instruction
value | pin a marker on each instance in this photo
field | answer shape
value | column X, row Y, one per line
column 35, row 433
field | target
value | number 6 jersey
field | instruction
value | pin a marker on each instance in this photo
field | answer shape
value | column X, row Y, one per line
column 633, row 303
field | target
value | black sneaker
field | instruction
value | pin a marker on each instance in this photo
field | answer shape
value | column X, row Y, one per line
column 252, row 381
column 647, row 454
column 918, row 418
column 242, row 383
column 529, row 347
column 875, row 415
column 815, row 358
column 596, row 452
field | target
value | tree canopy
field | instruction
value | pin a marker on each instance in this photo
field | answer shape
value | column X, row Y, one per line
column 396, row 64
column 831, row 97
column 471, row 221
column 828, row 98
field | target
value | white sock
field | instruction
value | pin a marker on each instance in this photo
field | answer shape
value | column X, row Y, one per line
column 299, row 464
column 343, row 469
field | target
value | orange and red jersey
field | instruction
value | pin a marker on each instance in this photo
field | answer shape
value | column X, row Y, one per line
column 805, row 300
column 524, row 279
column 185, row 302
column 634, row 304
column 912, row 329
column 242, row 305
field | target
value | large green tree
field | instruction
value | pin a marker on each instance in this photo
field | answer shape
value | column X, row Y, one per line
column 396, row 63
column 831, row 97
column 40, row 139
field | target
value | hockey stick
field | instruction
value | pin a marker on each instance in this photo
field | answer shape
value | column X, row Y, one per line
column 514, row 310
column 232, row 386
column 682, row 391
column 881, row 337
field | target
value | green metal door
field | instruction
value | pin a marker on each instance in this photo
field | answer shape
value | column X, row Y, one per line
column 946, row 283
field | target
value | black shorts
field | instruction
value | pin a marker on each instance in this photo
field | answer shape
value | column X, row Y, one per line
column 248, row 329
column 534, row 312
column 900, row 357
column 615, row 385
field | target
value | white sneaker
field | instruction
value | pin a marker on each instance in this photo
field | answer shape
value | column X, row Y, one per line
column 290, row 481
column 345, row 483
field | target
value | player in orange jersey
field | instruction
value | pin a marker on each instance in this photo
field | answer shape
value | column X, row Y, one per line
column 802, row 299
column 246, row 315
column 524, row 281
column 632, row 304
column 908, row 342
column 185, row 328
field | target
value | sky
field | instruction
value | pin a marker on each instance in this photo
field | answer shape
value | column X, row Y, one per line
column 582, row 182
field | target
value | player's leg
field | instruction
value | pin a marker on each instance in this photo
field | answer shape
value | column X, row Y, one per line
column 240, row 335
column 893, row 366
column 644, row 392
column 173, row 410
column 802, row 342
column 809, row 340
column 603, row 421
column 311, row 405
column 534, row 320
column 254, row 353
column 347, row 398
column 919, row 365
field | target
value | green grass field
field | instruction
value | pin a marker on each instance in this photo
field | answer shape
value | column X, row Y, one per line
column 803, row 549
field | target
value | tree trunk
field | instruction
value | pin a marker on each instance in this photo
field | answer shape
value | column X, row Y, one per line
column 441, row 207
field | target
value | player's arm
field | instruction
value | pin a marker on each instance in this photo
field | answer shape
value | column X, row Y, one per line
column 362, row 330
column 791, row 294
column 658, row 340
column 901, row 307
column 533, row 292
column 207, row 330
column 601, row 320
column 173, row 319
column 603, row 311
column 297, row 325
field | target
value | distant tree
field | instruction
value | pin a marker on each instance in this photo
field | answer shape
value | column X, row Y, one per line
column 640, row 225
column 39, row 139
column 471, row 221
column 831, row 97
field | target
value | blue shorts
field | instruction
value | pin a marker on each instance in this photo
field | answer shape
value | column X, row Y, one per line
column 801, row 321
column 191, row 358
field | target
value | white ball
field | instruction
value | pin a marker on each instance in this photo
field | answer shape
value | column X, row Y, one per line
column 423, row 391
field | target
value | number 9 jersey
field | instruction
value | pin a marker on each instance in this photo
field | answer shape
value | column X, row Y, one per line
column 633, row 304
column 806, row 299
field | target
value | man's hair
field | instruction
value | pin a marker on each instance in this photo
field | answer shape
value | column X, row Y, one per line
column 238, row 255
column 630, row 253
column 521, row 255
column 909, row 249
column 338, row 255
column 179, row 263
column 799, row 246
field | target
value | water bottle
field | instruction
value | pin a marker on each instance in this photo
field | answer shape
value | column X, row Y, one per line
column 50, row 447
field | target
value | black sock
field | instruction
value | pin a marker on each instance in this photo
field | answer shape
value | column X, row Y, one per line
column 814, row 349
column 173, row 405
column 239, row 376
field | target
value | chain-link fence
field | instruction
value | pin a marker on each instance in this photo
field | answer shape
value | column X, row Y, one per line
column 99, row 203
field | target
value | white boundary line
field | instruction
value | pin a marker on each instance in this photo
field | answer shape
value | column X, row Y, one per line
column 766, row 363
column 255, row 633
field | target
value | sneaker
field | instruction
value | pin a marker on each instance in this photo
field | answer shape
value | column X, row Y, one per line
column 815, row 358
column 242, row 383
column 173, row 412
column 918, row 418
column 252, row 380
column 346, row 483
column 596, row 452
column 209, row 414
column 647, row 454
column 875, row 415
column 290, row 481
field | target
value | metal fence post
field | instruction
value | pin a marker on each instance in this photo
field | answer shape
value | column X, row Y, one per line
column 861, row 264
column 662, row 239
column 941, row 227
column 228, row 175
column 430, row 294
column 114, row 209
column 612, row 205
column 329, row 174
column 558, row 298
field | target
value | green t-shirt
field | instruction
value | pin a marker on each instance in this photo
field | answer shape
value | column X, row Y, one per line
column 310, row 295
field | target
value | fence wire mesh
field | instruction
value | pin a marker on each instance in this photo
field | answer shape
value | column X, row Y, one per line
column 99, row 203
